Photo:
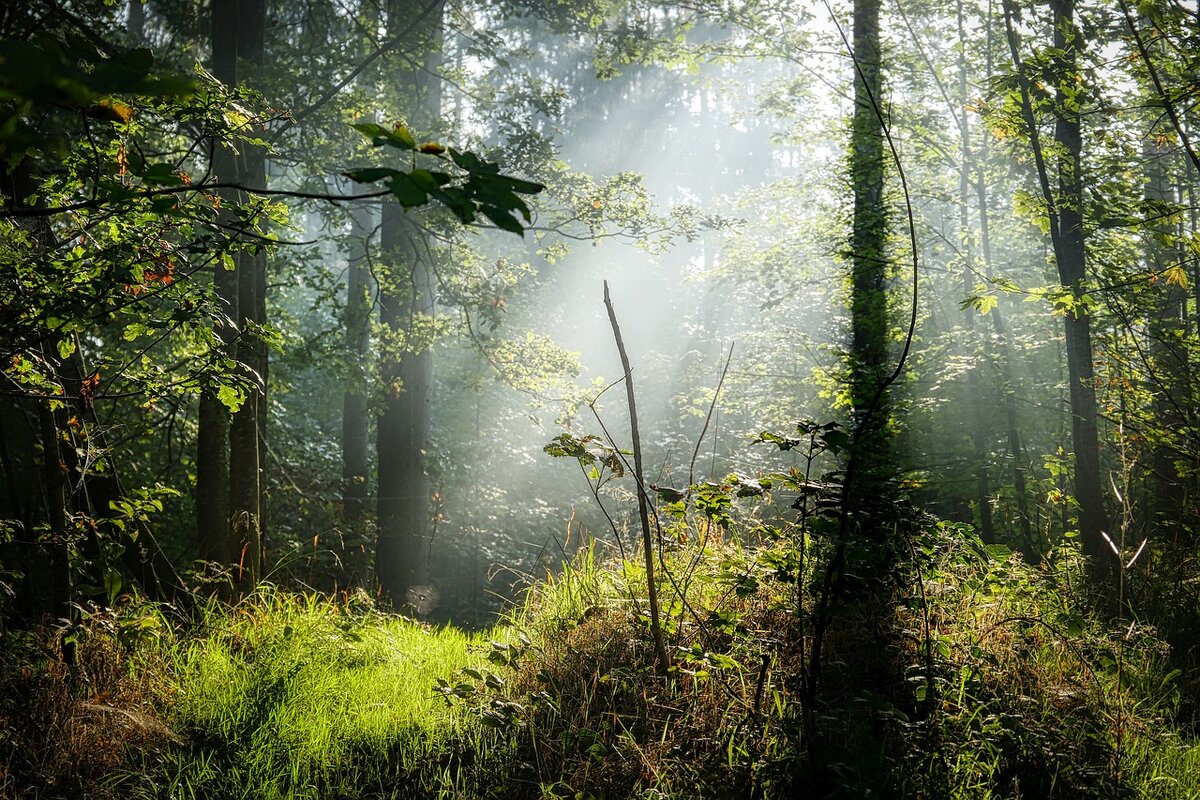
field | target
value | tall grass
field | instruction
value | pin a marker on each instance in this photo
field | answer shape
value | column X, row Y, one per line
column 290, row 697
column 281, row 697
column 995, row 685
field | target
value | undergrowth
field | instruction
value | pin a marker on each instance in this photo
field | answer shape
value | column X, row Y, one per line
column 280, row 696
column 980, row 678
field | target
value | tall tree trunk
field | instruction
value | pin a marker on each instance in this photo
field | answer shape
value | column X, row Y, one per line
column 247, row 443
column 979, row 427
column 1070, row 256
column 403, row 427
column 356, row 458
column 136, row 24
column 229, row 456
column 406, row 300
column 54, row 501
column 1064, row 204
column 355, row 454
column 868, row 253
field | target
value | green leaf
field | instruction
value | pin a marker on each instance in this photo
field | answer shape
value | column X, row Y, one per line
column 370, row 174
column 161, row 175
column 983, row 303
column 112, row 586
column 402, row 134
column 998, row 552
column 231, row 397
column 473, row 163
column 503, row 220
column 408, row 191
column 519, row 185
column 400, row 137
column 371, row 129
column 458, row 201
column 668, row 494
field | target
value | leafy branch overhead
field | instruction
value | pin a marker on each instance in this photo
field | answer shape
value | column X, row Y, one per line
column 470, row 187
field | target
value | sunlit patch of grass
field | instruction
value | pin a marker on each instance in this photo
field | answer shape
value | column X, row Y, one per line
column 294, row 696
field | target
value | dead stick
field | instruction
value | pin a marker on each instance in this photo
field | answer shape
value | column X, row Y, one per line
column 643, row 501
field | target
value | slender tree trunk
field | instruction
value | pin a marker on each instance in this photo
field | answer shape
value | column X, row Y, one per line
column 979, row 427
column 355, row 453
column 1070, row 256
column 403, row 427
column 868, row 253
column 54, row 501
column 1064, row 203
column 406, row 303
column 136, row 25
column 247, row 432
column 229, row 458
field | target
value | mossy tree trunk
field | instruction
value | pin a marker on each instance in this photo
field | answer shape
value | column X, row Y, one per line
column 868, row 258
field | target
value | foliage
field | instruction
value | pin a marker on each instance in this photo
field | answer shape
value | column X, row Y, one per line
column 999, row 684
column 282, row 696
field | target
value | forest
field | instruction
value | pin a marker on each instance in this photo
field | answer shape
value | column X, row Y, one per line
column 533, row 399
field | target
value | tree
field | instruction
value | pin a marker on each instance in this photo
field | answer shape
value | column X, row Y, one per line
column 868, row 253
column 229, row 456
column 98, row 235
column 1064, row 204
column 406, row 315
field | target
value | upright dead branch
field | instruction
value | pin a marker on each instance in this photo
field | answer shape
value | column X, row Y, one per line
column 643, row 501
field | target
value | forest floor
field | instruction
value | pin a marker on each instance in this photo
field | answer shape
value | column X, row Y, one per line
column 980, row 680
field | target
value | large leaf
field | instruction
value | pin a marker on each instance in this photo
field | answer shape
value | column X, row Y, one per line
column 399, row 137
column 370, row 174
column 503, row 220
column 409, row 191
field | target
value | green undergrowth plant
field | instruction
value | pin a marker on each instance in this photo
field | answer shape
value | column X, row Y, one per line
column 593, row 716
column 994, row 683
column 80, row 703
column 281, row 696
column 300, row 697
column 1031, row 695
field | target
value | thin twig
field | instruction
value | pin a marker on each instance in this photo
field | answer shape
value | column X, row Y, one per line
column 708, row 417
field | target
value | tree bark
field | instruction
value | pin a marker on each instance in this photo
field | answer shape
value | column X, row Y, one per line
column 229, row 457
column 355, row 453
column 1064, row 206
column 1070, row 256
column 403, row 427
column 406, row 299
column 868, row 253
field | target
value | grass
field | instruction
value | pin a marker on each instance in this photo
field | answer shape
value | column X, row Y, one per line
column 984, row 680
column 304, row 699
column 282, row 696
